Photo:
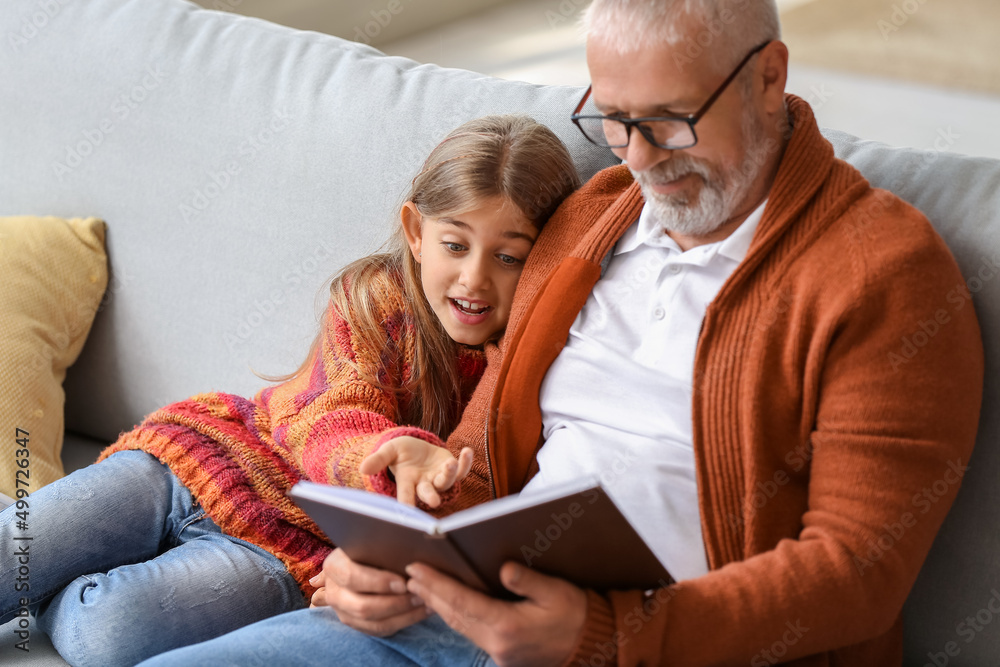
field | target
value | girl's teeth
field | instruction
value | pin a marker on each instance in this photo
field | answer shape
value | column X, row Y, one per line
column 468, row 305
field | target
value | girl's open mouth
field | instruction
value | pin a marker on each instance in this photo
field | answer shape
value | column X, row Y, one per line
column 470, row 312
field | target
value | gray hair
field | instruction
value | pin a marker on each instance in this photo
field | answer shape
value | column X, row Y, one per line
column 728, row 29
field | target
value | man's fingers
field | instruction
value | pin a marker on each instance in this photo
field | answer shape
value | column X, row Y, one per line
column 367, row 607
column 459, row 606
column 368, row 599
column 345, row 573
column 540, row 630
column 387, row 626
column 531, row 584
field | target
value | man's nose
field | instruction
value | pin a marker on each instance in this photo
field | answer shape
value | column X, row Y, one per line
column 642, row 155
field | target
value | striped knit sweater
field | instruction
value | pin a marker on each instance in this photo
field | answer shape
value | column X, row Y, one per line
column 240, row 457
column 813, row 439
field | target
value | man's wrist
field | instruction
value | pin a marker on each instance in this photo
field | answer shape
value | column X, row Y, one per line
column 595, row 643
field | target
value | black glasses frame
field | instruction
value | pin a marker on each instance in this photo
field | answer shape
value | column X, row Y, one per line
column 645, row 130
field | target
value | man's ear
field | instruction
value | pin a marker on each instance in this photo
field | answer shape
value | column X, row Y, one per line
column 773, row 68
column 412, row 221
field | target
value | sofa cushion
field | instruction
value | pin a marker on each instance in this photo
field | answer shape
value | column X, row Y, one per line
column 79, row 451
column 39, row 653
column 52, row 275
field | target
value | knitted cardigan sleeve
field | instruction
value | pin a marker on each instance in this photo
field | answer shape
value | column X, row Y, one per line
column 347, row 402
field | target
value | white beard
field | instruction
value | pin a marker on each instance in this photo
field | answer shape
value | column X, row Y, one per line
column 722, row 191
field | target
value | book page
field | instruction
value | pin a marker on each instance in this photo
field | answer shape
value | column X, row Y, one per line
column 582, row 537
column 375, row 505
column 510, row 504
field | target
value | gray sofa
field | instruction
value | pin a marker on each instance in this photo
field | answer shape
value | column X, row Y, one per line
column 238, row 164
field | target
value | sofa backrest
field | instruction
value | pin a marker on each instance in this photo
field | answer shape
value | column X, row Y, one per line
column 238, row 164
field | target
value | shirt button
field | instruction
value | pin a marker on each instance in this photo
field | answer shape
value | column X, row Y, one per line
column 659, row 313
column 675, row 268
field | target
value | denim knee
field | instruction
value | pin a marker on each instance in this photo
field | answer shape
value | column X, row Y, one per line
column 191, row 593
column 87, row 637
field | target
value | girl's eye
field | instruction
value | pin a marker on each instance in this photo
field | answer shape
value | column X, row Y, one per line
column 454, row 247
column 508, row 260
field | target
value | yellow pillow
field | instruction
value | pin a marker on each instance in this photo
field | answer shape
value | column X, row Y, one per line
column 53, row 273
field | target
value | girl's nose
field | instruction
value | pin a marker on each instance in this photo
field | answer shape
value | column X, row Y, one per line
column 475, row 276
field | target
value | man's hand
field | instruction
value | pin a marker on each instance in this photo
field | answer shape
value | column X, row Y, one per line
column 373, row 601
column 540, row 630
column 420, row 468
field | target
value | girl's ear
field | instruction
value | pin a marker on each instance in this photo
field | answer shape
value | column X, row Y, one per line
column 412, row 221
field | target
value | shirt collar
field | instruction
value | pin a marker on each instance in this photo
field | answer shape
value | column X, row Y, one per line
column 645, row 231
column 737, row 244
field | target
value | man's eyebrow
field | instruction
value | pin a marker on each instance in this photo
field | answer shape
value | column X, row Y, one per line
column 603, row 108
column 509, row 234
column 660, row 109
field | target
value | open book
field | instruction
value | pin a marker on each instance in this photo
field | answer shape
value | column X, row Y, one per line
column 573, row 531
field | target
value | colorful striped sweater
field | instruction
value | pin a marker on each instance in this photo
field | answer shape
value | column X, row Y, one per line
column 240, row 457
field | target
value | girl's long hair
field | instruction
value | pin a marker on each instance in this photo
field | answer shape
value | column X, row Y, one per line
column 511, row 156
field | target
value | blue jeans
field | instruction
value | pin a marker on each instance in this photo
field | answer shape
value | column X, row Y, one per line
column 315, row 638
column 123, row 565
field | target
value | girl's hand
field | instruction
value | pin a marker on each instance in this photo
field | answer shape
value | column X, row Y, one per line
column 420, row 468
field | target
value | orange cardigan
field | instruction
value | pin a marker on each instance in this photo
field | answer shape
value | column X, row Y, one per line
column 837, row 388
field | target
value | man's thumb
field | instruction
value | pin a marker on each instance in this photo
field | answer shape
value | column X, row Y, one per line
column 522, row 580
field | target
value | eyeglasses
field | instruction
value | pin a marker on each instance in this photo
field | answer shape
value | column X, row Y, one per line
column 666, row 132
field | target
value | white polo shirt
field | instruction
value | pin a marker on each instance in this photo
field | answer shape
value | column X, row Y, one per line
column 616, row 402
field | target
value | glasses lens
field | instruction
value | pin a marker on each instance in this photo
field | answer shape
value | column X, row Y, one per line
column 596, row 129
column 671, row 133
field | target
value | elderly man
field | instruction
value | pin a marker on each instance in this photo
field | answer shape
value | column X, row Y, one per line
column 721, row 321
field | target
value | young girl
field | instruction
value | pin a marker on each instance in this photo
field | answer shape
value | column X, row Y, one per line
column 183, row 531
